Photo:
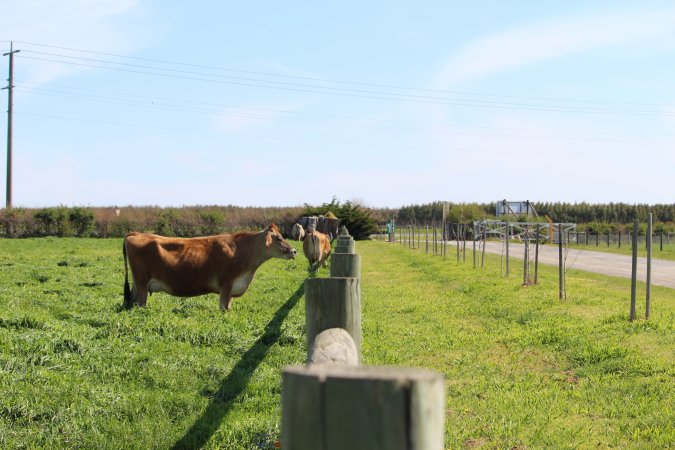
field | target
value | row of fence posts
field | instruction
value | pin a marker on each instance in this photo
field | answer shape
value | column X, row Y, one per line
column 632, row 237
column 333, row 402
column 460, row 232
column 580, row 238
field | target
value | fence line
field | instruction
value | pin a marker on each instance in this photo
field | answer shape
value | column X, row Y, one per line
column 333, row 402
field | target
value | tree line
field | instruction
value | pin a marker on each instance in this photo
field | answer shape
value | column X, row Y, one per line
column 601, row 218
column 361, row 221
column 104, row 222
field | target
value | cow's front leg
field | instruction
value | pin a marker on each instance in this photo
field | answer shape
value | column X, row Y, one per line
column 225, row 300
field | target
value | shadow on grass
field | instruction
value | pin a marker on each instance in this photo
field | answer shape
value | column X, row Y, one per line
column 235, row 383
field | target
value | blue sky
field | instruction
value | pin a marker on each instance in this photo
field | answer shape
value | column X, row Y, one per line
column 386, row 103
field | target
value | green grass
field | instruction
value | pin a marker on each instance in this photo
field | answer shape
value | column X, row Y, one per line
column 668, row 251
column 76, row 371
column 522, row 368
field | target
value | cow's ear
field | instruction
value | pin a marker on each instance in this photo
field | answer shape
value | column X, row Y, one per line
column 268, row 239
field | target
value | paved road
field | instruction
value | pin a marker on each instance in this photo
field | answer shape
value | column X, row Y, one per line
column 663, row 271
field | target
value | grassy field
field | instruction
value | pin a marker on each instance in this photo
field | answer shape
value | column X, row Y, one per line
column 668, row 251
column 522, row 368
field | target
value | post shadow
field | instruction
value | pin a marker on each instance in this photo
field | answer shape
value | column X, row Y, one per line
column 237, row 380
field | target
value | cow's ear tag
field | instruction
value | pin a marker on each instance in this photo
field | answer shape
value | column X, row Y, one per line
column 268, row 240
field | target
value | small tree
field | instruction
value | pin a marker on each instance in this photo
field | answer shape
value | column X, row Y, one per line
column 211, row 221
column 357, row 219
column 46, row 221
column 82, row 220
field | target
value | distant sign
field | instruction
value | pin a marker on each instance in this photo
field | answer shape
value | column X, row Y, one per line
column 505, row 207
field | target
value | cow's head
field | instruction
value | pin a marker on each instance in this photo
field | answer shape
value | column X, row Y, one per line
column 277, row 245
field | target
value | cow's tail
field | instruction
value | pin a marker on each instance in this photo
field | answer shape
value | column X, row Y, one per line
column 127, row 289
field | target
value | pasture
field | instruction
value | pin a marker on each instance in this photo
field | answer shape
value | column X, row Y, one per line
column 522, row 368
column 668, row 251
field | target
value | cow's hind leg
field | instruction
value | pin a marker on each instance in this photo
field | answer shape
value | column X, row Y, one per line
column 141, row 297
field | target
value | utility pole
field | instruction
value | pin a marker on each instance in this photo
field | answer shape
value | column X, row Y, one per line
column 10, row 88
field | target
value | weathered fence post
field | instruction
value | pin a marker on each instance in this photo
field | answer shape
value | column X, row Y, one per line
column 526, row 260
column 633, row 276
column 649, row 266
column 333, row 303
column 345, row 243
column 482, row 256
column 345, row 265
column 464, row 243
column 457, row 239
column 536, row 258
column 474, row 245
column 345, row 246
column 506, row 242
column 560, row 261
column 362, row 408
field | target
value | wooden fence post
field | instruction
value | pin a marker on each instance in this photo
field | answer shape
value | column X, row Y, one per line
column 457, row 239
column 560, row 261
column 362, row 408
column 633, row 276
column 333, row 346
column 345, row 265
column 506, row 242
column 536, row 258
column 333, row 303
column 482, row 256
column 464, row 243
column 474, row 245
column 649, row 266
column 345, row 245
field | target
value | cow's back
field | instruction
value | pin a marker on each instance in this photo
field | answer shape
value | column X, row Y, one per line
column 316, row 246
column 311, row 247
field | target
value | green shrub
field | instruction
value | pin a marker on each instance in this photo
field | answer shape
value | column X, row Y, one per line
column 82, row 221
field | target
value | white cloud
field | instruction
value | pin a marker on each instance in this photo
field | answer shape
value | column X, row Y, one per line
column 102, row 25
column 553, row 39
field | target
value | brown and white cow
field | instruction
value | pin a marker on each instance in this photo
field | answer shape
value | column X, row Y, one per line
column 316, row 248
column 187, row 267
column 297, row 232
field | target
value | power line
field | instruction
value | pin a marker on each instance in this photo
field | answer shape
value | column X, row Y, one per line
column 320, row 141
column 435, row 129
column 391, row 96
column 37, row 87
column 328, row 80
